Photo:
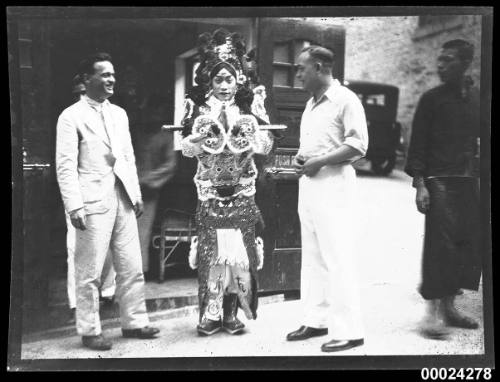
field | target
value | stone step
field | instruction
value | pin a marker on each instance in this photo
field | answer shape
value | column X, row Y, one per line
column 158, row 309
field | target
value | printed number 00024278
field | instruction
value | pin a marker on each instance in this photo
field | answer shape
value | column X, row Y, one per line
column 462, row 374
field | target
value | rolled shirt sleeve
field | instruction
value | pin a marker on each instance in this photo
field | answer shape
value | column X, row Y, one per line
column 189, row 149
column 355, row 129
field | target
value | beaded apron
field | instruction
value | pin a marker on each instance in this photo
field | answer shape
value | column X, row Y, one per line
column 243, row 214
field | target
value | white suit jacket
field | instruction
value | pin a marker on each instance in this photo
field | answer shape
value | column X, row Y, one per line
column 87, row 162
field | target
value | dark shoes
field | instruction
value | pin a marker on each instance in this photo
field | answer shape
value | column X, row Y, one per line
column 142, row 333
column 96, row 342
column 338, row 345
column 305, row 332
column 101, row 343
column 208, row 327
column 230, row 323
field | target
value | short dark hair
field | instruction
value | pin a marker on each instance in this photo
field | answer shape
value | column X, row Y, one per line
column 222, row 65
column 320, row 53
column 86, row 66
column 464, row 48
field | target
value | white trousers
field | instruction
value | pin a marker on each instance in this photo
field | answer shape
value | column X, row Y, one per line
column 108, row 285
column 329, row 285
column 115, row 230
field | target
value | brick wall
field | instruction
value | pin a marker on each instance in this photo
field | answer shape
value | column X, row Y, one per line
column 397, row 51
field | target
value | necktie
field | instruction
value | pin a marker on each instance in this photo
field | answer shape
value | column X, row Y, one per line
column 106, row 123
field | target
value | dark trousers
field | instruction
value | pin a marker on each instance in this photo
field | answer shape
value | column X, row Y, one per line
column 451, row 258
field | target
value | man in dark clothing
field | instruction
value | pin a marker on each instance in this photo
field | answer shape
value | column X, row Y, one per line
column 443, row 161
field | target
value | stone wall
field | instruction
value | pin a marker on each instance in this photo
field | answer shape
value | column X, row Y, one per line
column 400, row 52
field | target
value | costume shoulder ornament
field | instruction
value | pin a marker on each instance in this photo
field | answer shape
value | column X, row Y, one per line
column 258, row 107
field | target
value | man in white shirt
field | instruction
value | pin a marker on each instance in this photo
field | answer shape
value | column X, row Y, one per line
column 333, row 134
column 97, row 177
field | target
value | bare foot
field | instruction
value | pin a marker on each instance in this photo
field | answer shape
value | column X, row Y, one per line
column 459, row 320
column 453, row 317
column 433, row 329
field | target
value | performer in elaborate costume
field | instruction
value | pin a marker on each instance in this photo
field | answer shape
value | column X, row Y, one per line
column 223, row 134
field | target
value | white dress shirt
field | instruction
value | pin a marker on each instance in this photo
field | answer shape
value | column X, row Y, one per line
column 101, row 109
column 336, row 119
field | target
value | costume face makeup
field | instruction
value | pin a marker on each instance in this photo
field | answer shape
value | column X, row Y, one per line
column 224, row 85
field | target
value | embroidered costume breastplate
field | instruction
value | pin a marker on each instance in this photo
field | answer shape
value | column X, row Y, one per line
column 228, row 140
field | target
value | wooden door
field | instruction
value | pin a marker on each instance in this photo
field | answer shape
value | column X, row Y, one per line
column 28, row 75
column 280, row 43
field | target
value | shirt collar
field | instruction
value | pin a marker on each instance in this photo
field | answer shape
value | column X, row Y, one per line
column 328, row 94
column 214, row 102
column 94, row 104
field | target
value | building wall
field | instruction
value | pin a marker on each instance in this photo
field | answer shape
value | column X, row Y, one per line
column 397, row 51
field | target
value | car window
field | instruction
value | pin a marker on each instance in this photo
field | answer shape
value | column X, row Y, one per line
column 375, row 99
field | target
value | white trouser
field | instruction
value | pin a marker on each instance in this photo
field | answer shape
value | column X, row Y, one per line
column 329, row 286
column 108, row 284
column 115, row 230
column 145, row 225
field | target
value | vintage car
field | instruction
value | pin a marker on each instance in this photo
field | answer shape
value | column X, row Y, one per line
column 381, row 104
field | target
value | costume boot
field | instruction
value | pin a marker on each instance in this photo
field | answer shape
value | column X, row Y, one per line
column 230, row 322
column 208, row 327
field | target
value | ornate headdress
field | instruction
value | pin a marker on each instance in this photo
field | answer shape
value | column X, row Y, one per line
column 221, row 47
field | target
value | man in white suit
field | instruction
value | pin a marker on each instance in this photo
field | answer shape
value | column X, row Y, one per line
column 108, row 285
column 97, row 177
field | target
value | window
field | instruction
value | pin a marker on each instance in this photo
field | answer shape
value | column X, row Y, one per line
column 375, row 99
column 284, row 57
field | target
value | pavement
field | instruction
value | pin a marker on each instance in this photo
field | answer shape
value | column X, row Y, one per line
column 389, row 332
column 390, row 235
